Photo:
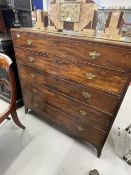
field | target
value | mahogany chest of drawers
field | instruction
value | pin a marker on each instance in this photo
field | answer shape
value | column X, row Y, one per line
column 78, row 83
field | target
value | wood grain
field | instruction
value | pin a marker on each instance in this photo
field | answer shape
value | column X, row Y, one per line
column 97, row 99
column 95, row 117
column 104, row 80
column 73, row 126
column 112, row 57
column 77, row 82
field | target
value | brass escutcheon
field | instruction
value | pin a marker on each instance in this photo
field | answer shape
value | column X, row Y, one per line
column 93, row 55
column 90, row 76
column 86, row 95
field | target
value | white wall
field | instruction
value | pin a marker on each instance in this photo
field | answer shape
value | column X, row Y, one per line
column 105, row 3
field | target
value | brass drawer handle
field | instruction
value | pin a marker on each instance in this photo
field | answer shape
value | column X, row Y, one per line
column 90, row 76
column 34, row 90
column 31, row 59
column 80, row 128
column 86, row 95
column 29, row 42
column 83, row 113
column 33, row 75
column 93, row 55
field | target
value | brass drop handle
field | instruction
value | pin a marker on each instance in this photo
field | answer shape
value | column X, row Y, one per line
column 90, row 76
column 86, row 95
column 93, row 55
column 33, row 75
column 83, row 113
column 31, row 59
column 29, row 42
column 80, row 128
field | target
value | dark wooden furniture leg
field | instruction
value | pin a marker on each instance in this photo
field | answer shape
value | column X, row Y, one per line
column 99, row 150
column 26, row 110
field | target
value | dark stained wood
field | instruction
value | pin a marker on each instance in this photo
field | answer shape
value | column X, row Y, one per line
column 56, row 69
column 2, row 23
column 51, row 23
column 104, row 79
column 76, row 38
column 92, row 97
column 119, row 25
column 89, row 1
column 75, row 127
column 5, row 63
column 108, row 20
column 88, row 26
column 95, row 20
column 68, row 25
column 95, row 117
column 111, row 56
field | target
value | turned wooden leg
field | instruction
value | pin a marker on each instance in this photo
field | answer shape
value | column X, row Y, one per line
column 16, row 120
column 26, row 110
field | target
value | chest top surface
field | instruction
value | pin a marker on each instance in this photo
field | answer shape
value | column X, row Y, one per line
column 79, row 38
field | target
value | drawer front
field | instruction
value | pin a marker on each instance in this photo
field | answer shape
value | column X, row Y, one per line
column 64, row 120
column 94, row 98
column 90, row 76
column 117, row 58
column 82, row 112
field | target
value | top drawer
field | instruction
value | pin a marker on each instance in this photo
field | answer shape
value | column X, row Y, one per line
column 111, row 56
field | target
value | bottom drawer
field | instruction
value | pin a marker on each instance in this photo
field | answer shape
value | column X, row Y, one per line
column 75, row 127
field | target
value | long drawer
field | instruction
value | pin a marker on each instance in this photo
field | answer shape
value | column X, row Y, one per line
column 80, row 111
column 92, row 97
column 72, row 125
column 107, row 55
column 93, row 77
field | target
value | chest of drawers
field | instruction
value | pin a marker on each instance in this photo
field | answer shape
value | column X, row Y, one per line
column 77, row 83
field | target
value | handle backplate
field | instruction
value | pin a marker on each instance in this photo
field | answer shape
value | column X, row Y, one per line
column 93, row 55
column 83, row 113
column 29, row 42
column 90, row 76
column 31, row 59
column 86, row 95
